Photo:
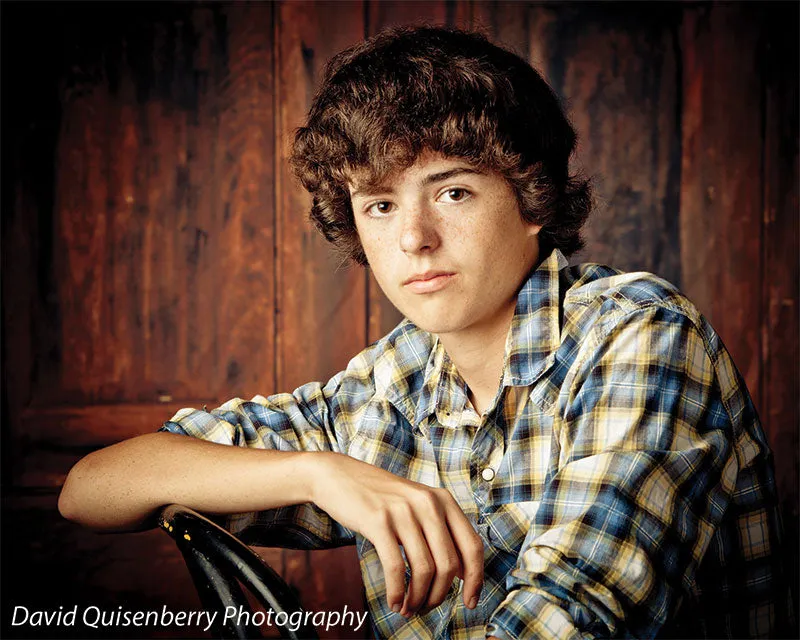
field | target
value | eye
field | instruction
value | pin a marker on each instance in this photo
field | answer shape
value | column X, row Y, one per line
column 456, row 194
column 379, row 209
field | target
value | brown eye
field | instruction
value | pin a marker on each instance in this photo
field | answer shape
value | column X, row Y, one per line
column 380, row 208
column 454, row 195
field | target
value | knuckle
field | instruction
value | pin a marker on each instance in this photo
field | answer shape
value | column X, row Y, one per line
column 402, row 509
column 428, row 499
column 449, row 565
column 424, row 569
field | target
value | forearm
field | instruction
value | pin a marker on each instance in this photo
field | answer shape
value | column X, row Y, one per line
column 121, row 487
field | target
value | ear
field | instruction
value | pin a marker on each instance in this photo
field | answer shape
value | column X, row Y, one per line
column 533, row 229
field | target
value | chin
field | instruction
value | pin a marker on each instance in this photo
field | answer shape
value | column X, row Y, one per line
column 435, row 325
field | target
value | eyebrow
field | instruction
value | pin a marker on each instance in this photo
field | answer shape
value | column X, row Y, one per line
column 431, row 178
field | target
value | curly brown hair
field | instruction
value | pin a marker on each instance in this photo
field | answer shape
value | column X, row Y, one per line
column 410, row 89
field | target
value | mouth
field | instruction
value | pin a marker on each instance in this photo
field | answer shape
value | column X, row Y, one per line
column 429, row 281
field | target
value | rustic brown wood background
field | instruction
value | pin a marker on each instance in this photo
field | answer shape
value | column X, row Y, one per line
column 156, row 252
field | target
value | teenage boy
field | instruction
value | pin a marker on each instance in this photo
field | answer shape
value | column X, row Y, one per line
column 574, row 443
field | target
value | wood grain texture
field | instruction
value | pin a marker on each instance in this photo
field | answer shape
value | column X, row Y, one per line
column 127, row 187
column 203, row 246
column 82, row 226
column 122, row 278
column 505, row 23
column 97, row 425
column 389, row 13
column 616, row 73
column 321, row 299
column 721, row 186
column 245, row 206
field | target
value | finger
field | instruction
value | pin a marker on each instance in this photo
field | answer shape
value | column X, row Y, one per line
column 470, row 548
column 394, row 570
column 445, row 556
column 420, row 562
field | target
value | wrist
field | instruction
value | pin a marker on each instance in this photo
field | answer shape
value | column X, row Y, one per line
column 310, row 473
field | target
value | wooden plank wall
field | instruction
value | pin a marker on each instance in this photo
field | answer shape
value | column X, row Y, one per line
column 156, row 252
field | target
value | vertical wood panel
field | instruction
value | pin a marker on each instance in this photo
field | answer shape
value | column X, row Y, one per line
column 321, row 323
column 179, row 234
column 208, row 252
column 159, row 157
column 81, row 222
column 122, row 279
column 245, row 296
column 506, row 23
column 134, row 218
column 387, row 13
column 721, row 177
column 321, row 301
column 616, row 72
column 159, row 259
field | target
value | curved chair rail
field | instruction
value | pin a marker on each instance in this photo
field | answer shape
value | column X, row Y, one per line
column 217, row 562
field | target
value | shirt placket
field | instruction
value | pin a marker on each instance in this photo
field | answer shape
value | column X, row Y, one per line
column 485, row 457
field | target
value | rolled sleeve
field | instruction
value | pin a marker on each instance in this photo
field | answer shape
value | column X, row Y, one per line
column 300, row 421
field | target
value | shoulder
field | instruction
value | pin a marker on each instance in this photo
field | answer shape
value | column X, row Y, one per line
column 599, row 298
column 393, row 366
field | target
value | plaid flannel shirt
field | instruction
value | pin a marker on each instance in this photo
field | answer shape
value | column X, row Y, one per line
column 620, row 480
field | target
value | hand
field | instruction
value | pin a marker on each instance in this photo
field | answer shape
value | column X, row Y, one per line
column 438, row 540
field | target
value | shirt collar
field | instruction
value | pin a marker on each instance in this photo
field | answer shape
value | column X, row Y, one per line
column 444, row 391
column 533, row 338
column 536, row 327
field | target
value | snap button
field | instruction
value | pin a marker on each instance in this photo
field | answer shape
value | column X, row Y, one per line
column 487, row 474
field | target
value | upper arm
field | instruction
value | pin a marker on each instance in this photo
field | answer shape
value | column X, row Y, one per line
column 641, row 473
column 308, row 419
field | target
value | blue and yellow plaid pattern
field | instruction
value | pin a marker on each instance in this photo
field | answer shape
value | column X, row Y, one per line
column 631, row 491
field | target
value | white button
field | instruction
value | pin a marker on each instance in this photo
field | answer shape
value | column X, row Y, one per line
column 487, row 474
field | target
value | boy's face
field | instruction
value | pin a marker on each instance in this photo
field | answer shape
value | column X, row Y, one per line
column 447, row 244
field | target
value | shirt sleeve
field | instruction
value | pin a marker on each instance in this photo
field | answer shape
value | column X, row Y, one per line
column 642, row 470
column 300, row 421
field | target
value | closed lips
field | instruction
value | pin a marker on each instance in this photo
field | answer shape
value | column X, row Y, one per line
column 430, row 275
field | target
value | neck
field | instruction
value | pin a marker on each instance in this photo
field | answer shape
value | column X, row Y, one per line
column 478, row 353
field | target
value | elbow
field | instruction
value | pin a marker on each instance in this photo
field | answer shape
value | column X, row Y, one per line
column 80, row 499
column 69, row 500
column 102, row 492
column 66, row 505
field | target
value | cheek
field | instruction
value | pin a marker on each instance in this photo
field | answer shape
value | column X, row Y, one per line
column 369, row 241
column 378, row 254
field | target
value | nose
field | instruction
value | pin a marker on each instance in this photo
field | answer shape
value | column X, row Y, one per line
column 419, row 231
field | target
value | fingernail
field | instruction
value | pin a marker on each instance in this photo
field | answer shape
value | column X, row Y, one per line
column 396, row 608
column 473, row 602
